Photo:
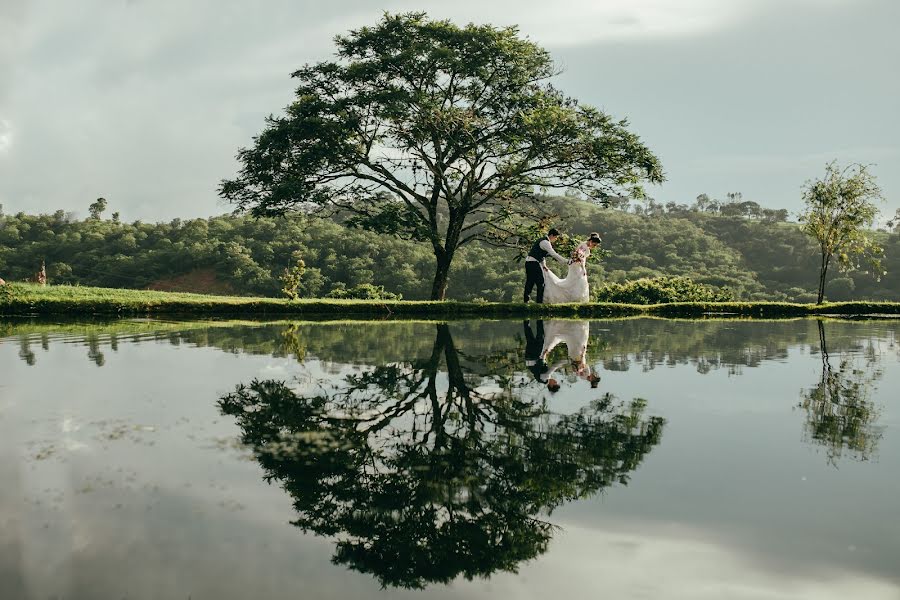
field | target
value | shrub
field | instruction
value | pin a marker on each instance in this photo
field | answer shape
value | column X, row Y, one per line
column 8, row 292
column 840, row 289
column 660, row 290
column 363, row 291
column 797, row 294
column 291, row 278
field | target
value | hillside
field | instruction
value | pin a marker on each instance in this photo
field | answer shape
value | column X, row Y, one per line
column 757, row 254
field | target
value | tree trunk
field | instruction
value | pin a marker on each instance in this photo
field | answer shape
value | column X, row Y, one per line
column 443, row 255
column 822, row 346
column 822, row 272
column 441, row 276
column 826, row 363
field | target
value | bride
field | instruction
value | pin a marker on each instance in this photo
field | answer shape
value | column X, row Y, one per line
column 574, row 287
column 574, row 334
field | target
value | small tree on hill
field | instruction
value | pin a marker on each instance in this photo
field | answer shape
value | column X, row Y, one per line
column 432, row 132
column 839, row 213
column 97, row 207
column 894, row 224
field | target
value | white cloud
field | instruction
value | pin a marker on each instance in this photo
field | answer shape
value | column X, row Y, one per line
column 146, row 103
column 577, row 22
column 586, row 21
column 6, row 136
column 678, row 563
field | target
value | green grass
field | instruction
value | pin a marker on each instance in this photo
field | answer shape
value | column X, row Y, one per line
column 76, row 301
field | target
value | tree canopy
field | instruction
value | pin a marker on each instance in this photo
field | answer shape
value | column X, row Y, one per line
column 433, row 132
column 839, row 213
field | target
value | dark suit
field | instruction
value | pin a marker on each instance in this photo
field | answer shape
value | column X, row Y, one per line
column 534, row 345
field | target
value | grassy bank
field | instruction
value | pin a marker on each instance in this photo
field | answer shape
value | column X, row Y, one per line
column 27, row 299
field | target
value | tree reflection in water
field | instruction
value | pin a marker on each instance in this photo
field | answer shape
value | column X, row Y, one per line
column 424, row 473
column 840, row 413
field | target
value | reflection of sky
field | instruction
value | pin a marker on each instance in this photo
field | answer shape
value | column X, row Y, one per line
column 125, row 481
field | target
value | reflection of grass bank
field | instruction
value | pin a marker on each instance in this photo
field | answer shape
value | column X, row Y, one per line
column 26, row 299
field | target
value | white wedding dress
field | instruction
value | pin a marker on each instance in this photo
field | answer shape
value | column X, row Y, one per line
column 574, row 334
column 574, row 287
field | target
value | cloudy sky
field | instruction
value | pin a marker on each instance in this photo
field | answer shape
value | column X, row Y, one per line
column 146, row 102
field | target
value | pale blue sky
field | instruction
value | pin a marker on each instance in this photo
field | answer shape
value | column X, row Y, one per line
column 146, row 103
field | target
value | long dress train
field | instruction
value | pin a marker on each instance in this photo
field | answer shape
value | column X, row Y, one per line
column 574, row 287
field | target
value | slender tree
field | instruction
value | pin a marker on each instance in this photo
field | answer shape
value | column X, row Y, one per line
column 292, row 277
column 438, row 133
column 97, row 207
column 894, row 224
column 839, row 214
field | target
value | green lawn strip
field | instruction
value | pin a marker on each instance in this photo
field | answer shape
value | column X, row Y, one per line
column 76, row 301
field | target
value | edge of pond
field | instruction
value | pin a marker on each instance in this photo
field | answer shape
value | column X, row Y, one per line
column 79, row 302
column 372, row 310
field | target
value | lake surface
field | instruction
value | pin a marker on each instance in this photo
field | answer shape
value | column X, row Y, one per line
column 676, row 459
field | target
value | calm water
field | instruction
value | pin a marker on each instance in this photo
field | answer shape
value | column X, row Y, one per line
column 713, row 459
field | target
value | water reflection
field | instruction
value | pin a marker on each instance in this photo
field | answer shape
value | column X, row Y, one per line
column 574, row 336
column 840, row 413
column 614, row 345
column 427, row 470
column 415, row 452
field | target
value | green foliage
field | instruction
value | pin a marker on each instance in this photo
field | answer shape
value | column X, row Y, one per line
column 566, row 244
column 840, row 289
column 659, row 290
column 8, row 294
column 97, row 207
column 894, row 223
column 291, row 278
column 839, row 214
column 755, row 258
column 428, row 131
column 363, row 291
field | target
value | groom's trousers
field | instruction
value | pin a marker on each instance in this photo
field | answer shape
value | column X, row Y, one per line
column 534, row 277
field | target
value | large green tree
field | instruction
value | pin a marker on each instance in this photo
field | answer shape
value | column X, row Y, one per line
column 839, row 214
column 438, row 133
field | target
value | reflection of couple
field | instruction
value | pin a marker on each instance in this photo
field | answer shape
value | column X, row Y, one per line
column 539, row 345
column 550, row 288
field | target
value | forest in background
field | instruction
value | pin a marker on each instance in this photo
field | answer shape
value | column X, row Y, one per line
column 754, row 251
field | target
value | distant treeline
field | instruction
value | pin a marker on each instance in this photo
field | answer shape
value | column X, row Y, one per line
column 754, row 251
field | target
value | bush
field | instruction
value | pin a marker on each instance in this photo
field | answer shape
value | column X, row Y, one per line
column 798, row 294
column 292, row 277
column 363, row 291
column 840, row 289
column 8, row 292
column 659, row 290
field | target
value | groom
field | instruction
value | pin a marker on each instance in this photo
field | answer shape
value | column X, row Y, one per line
column 535, row 265
column 534, row 347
